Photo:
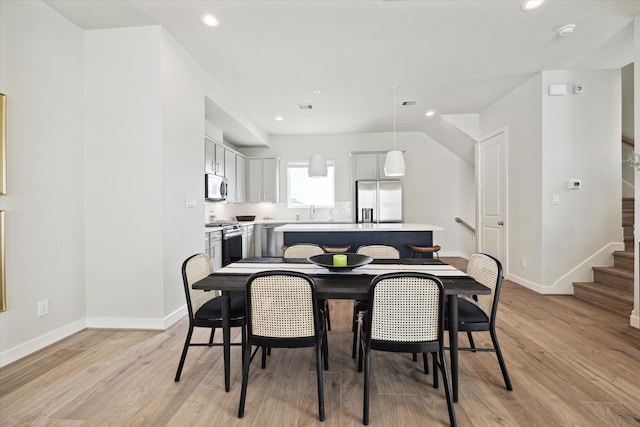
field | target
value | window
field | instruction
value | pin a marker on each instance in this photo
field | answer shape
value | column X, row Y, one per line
column 303, row 191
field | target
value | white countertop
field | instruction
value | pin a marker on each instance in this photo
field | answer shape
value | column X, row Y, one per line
column 357, row 227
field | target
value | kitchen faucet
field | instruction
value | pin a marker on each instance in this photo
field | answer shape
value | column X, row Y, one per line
column 312, row 211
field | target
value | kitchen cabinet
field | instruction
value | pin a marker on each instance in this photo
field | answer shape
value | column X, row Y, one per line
column 241, row 179
column 213, row 247
column 248, row 244
column 213, row 157
column 368, row 165
column 262, row 179
column 231, row 174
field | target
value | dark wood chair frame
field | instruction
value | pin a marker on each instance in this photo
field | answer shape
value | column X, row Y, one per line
column 489, row 325
column 318, row 340
column 205, row 323
column 436, row 348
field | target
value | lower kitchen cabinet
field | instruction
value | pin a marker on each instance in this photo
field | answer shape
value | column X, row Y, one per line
column 213, row 247
column 248, row 242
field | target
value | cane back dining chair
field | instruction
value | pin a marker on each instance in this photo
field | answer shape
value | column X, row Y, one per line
column 205, row 308
column 406, row 315
column 375, row 252
column 305, row 250
column 479, row 313
column 283, row 312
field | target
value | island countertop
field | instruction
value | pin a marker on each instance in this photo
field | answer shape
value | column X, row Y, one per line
column 368, row 227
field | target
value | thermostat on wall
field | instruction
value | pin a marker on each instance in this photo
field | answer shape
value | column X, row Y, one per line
column 575, row 184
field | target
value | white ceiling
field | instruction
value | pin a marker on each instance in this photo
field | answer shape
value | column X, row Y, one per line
column 453, row 57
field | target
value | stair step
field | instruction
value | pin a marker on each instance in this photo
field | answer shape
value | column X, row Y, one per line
column 623, row 259
column 603, row 296
column 627, row 217
column 615, row 277
column 628, row 202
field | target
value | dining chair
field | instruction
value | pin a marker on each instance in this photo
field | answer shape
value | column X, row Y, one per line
column 302, row 250
column 283, row 312
column 478, row 313
column 406, row 315
column 305, row 250
column 375, row 252
column 205, row 308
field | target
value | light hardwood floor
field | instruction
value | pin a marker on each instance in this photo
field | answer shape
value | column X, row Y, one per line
column 571, row 364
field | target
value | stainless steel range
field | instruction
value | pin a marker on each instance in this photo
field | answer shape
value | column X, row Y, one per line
column 231, row 241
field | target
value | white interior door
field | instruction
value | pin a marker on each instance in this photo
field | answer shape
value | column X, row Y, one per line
column 492, row 195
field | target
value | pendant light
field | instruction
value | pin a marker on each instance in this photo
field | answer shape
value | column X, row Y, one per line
column 394, row 162
column 317, row 166
column 317, row 162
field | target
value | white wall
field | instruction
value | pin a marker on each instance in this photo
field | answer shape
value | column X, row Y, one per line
column 41, row 60
column 552, row 140
column 437, row 187
column 123, row 108
column 581, row 140
column 521, row 112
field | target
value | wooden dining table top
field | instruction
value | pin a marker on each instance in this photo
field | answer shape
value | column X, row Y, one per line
column 340, row 285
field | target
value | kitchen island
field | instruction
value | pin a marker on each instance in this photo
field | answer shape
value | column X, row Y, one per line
column 398, row 235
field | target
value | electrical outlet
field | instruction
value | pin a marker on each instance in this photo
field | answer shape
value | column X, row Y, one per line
column 43, row 308
column 523, row 262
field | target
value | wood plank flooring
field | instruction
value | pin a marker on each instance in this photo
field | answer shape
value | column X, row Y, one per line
column 571, row 364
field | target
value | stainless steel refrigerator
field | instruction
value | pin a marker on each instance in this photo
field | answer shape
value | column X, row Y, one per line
column 378, row 201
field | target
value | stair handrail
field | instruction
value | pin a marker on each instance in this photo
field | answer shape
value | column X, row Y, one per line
column 627, row 140
column 466, row 225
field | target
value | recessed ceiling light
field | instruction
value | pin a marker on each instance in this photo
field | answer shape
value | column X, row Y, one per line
column 279, row 118
column 210, row 20
column 429, row 113
column 565, row 30
column 317, row 92
column 528, row 5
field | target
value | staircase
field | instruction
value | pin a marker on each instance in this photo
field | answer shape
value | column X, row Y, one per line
column 612, row 287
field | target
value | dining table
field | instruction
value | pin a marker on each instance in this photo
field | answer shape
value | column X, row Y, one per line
column 349, row 284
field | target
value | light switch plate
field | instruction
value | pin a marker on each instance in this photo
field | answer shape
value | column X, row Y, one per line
column 555, row 199
column 190, row 202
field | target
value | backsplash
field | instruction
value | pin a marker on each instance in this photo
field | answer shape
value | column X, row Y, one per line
column 277, row 211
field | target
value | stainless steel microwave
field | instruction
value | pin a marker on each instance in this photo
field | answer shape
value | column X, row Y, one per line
column 215, row 187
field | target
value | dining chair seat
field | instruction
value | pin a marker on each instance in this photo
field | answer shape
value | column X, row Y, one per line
column 212, row 310
column 468, row 311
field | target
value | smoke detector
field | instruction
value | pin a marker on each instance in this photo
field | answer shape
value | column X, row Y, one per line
column 565, row 30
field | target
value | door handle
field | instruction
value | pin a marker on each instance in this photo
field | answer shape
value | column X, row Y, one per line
column 500, row 222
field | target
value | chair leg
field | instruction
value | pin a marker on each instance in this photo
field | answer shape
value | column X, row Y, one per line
column 503, row 366
column 326, row 307
column 447, row 388
column 264, row 357
column 415, row 357
column 425, row 362
column 471, row 343
column 360, row 351
column 184, row 353
column 367, row 373
column 319, row 349
column 354, row 329
column 325, row 351
column 435, row 369
column 245, row 379
column 212, row 336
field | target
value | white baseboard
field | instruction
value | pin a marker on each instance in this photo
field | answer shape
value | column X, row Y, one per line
column 536, row 287
column 583, row 272
column 52, row 337
column 634, row 319
column 38, row 343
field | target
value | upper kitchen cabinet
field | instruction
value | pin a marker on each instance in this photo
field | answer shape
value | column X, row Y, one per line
column 213, row 157
column 368, row 165
column 262, row 177
column 235, row 170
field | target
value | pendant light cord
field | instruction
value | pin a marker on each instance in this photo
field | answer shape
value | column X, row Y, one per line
column 394, row 118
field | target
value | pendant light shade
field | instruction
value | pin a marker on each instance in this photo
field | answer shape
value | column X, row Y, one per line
column 394, row 162
column 317, row 166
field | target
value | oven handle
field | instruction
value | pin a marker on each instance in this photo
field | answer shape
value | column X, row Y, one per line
column 230, row 234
